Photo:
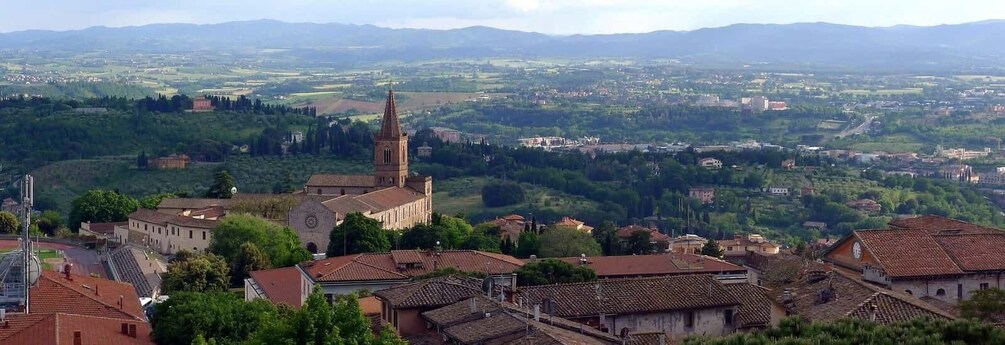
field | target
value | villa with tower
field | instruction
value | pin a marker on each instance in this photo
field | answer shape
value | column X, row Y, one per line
column 391, row 195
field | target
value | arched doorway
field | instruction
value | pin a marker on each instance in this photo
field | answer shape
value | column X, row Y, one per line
column 311, row 247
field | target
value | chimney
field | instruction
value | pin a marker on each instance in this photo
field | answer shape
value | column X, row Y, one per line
column 872, row 312
column 132, row 330
column 96, row 290
column 582, row 259
column 663, row 339
column 537, row 312
column 76, row 338
column 66, row 270
column 474, row 305
column 120, row 301
column 125, row 328
column 512, row 282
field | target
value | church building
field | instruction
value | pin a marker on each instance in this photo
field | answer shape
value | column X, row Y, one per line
column 390, row 195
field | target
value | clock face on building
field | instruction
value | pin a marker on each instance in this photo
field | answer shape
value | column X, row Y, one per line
column 856, row 250
column 311, row 221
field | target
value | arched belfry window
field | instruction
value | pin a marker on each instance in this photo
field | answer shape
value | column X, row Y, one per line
column 387, row 155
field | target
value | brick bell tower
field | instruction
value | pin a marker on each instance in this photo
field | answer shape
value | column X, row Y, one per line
column 390, row 154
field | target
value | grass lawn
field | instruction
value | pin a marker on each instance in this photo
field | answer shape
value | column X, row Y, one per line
column 464, row 195
column 43, row 255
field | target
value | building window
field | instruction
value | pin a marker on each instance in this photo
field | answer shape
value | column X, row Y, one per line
column 387, row 156
column 190, row 233
column 342, row 192
column 909, row 292
column 689, row 319
column 729, row 249
column 727, row 315
column 959, row 291
column 984, row 286
column 940, row 292
column 319, row 191
column 204, row 234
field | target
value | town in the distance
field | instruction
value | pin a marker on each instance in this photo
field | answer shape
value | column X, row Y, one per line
column 265, row 182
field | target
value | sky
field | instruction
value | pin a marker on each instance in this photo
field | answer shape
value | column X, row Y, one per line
column 547, row 16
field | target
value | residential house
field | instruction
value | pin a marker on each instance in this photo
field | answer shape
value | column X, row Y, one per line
column 676, row 305
column 173, row 161
column 789, row 164
column 710, row 163
column 510, row 226
column 824, row 296
column 704, row 194
column 480, row 320
column 65, row 308
column 571, row 223
column 658, row 265
column 424, row 151
column 865, row 205
column 402, row 305
column 9, row 205
column 687, row 244
column 939, row 258
column 447, row 135
column 657, row 238
column 100, row 230
column 958, row 172
column 736, row 249
column 201, row 104
column 372, row 271
column 818, row 226
column 778, row 191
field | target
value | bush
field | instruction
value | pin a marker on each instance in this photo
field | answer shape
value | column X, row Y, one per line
column 497, row 194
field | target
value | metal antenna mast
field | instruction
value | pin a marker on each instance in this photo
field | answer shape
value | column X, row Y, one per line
column 27, row 196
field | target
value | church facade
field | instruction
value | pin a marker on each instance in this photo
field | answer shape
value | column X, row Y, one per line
column 390, row 195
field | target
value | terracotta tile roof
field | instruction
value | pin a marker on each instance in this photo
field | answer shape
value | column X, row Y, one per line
column 655, row 265
column 505, row 323
column 84, row 295
column 975, row 252
column 381, row 266
column 373, row 202
column 429, row 293
column 938, row 225
column 494, row 326
column 626, row 232
column 369, row 305
column 280, row 285
column 898, row 252
column 406, row 257
column 460, row 312
column 514, row 217
column 849, row 295
column 631, row 296
column 328, row 180
column 648, row 339
column 192, row 203
column 755, row 305
column 151, row 216
column 59, row 328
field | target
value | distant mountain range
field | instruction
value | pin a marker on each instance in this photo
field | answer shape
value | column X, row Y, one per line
column 970, row 46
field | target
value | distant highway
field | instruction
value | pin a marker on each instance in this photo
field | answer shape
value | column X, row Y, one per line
column 864, row 127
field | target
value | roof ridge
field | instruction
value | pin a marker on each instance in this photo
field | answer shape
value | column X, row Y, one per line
column 119, row 309
column 686, row 276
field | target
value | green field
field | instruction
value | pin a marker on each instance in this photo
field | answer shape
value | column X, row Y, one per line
column 464, row 195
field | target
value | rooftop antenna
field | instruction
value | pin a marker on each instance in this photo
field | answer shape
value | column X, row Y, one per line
column 27, row 197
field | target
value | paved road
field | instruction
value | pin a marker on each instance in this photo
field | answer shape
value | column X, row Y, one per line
column 857, row 130
column 84, row 261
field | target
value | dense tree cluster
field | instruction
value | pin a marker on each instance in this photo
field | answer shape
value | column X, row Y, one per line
column 102, row 206
column 499, row 194
column 552, row 271
column 249, row 243
column 225, row 319
column 190, row 272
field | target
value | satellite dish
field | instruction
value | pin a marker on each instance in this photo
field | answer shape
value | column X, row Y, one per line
column 233, row 190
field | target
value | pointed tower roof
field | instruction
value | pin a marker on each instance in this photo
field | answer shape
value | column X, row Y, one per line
column 389, row 127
